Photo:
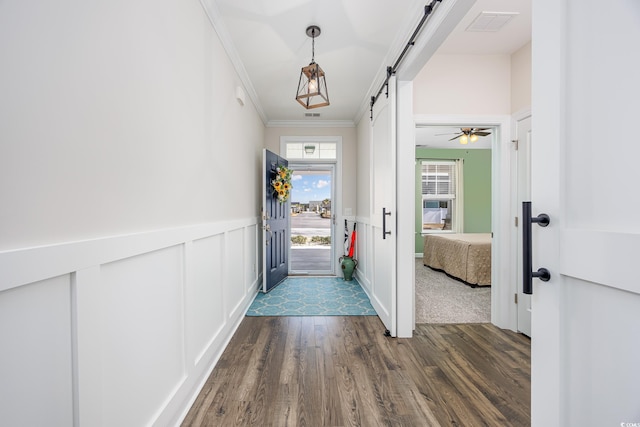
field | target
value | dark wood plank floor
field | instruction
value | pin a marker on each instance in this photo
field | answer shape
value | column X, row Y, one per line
column 342, row 371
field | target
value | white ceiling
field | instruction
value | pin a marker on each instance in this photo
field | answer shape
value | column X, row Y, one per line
column 510, row 38
column 359, row 38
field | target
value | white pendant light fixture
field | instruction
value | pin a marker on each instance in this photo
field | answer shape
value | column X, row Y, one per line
column 312, row 86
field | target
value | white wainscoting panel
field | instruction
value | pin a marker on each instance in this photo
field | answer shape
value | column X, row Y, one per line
column 87, row 321
column 364, row 272
column 235, row 271
column 251, row 242
column 121, row 330
column 206, row 314
column 143, row 335
column 35, row 360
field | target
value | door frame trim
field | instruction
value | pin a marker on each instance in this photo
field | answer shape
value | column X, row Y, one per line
column 515, row 207
column 284, row 140
column 503, row 311
column 322, row 166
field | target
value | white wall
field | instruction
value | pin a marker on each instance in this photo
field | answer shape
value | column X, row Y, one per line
column 488, row 84
column 364, row 247
column 521, row 79
column 124, row 152
column 463, row 84
column 117, row 118
column 363, row 167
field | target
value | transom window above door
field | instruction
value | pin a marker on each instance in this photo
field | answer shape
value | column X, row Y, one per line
column 311, row 150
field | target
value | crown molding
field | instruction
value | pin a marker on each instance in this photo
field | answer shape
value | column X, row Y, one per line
column 213, row 13
column 310, row 124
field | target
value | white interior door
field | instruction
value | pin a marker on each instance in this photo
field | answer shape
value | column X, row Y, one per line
column 523, row 155
column 383, row 215
column 585, row 346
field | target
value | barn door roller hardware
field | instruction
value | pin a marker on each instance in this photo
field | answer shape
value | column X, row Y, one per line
column 428, row 9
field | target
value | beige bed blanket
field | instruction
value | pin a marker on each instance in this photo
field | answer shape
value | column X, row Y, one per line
column 465, row 256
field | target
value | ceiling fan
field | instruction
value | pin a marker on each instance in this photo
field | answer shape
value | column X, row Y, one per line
column 467, row 135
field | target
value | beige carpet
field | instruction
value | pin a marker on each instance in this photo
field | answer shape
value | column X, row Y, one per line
column 441, row 299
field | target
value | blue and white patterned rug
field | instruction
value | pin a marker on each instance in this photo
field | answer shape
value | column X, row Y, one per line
column 313, row 296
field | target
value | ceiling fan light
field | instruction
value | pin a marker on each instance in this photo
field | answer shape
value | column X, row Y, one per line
column 464, row 140
column 473, row 138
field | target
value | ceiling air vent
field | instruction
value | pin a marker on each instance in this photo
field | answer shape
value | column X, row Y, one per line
column 491, row 21
column 311, row 115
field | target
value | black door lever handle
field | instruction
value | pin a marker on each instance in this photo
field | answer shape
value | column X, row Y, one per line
column 527, row 273
column 384, row 223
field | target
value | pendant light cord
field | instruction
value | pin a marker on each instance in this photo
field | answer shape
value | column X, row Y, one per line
column 313, row 45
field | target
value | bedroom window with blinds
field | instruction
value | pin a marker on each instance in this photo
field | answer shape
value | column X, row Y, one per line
column 441, row 196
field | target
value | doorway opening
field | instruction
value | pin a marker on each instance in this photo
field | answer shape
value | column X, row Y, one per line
column 453, row 288
column 315, row 203
column 312, row 219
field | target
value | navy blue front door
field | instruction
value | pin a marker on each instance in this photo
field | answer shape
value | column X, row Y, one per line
column 275, row 225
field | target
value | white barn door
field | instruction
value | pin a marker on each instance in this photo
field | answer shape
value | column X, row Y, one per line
column 383, row 200
column 585, row 320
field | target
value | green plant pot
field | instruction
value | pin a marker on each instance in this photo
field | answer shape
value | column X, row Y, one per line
column 348, row 264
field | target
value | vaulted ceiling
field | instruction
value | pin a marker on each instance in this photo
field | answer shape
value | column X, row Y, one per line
column 359, row 39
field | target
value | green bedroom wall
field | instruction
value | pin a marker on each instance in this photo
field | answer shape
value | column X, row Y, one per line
column 477, row 188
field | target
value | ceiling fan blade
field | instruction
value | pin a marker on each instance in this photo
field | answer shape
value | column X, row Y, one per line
column 442, row 134
column 482, row 133
column 455, row 137
column 479, row 129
